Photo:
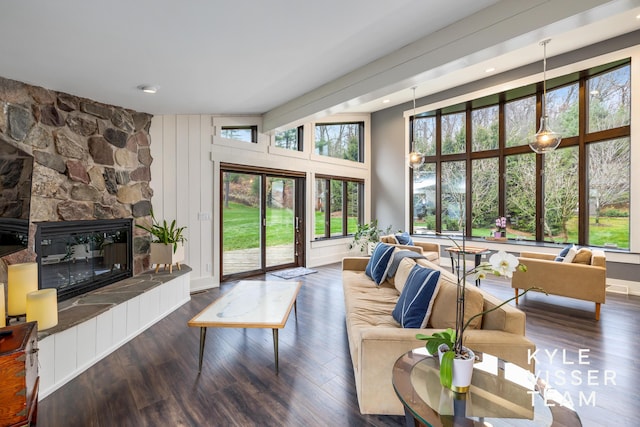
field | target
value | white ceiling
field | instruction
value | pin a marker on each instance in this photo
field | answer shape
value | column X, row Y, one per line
column 269, row 56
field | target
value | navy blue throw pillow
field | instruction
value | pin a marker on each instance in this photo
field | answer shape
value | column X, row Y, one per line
column 563, row 253
column 380, row 262
column 416, row 300
column 404, row 239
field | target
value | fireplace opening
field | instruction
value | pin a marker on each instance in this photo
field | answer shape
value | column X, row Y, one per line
column 76, row 257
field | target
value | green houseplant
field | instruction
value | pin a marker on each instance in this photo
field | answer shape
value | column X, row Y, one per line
column 449, row 342
column 367, row 234
column 167, row 246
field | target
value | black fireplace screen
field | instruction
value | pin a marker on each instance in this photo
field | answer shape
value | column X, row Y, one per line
column 76, row 257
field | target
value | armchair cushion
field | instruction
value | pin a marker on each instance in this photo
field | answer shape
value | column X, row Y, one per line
column 583, row 257
column 570, row 255
column 563, row 253
column 404, row 238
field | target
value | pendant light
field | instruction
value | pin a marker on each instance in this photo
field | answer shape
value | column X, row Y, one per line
column 545, row 140
column 415, row 159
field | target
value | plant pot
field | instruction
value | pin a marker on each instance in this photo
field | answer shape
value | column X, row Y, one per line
column 162, row 254
column 462, row 369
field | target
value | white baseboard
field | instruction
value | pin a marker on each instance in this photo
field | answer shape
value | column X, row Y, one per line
column 626, row 287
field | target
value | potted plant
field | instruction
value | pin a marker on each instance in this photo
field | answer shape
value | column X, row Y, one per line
column 167, row 246
column 456, row 360
column 367, row 235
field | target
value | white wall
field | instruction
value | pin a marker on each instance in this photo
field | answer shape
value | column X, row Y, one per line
column 185, row 178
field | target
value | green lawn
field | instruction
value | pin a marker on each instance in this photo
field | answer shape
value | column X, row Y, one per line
column 242, row 227
column 611, row 230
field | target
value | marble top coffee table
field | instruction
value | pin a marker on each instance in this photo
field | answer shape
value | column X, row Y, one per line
column 250, row 304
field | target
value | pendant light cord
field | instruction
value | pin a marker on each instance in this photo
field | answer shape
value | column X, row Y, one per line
column 413, row 123
column 544, row 77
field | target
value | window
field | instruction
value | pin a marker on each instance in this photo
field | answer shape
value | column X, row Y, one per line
column 454, row 194
column 579, row 193
column 520, row 121
column 340, row 140
column 484, row 122
column 484, row 196
column 424, row 199
column 562, row 109
column 424, row 135
column 453, row 133
column 609, row 189
column 609, row 100
column 290, row 139
column 343, row 197
column 561, row 204
column 240, row 133
column 521, row 196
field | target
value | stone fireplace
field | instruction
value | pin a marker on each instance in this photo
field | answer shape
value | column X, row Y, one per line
column 91, row 163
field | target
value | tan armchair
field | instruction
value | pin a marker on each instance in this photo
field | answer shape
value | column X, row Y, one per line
column 430, row 251
column 581, row 281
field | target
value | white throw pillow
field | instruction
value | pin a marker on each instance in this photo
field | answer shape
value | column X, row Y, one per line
column 570, row 255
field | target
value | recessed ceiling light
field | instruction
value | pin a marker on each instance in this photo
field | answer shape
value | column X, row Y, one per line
column 489, row 70
column 148, row 88
column 386, row 101
column 595, row 92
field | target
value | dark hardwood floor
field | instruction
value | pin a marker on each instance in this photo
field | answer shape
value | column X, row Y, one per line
column 153, row 379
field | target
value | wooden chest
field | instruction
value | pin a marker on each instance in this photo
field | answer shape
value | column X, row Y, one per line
column 19, row 375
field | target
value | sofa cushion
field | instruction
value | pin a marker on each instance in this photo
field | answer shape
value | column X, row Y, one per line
column 563, row 253
column 444, row 308
column 404, row 238
column 380, row 262
column 404, row 268
column 416, row 300
column 583, row 257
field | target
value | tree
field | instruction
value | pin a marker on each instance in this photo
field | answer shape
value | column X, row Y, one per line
column 560, row 190
column 609, row 182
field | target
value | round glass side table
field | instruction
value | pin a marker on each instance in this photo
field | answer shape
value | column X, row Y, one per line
column 501, row 394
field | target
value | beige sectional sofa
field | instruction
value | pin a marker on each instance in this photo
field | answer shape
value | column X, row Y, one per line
column 376, row 340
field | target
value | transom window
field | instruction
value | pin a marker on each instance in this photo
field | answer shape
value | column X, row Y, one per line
column 477, row 172
column 240, row 133
column 340, row 140
column 290, row 139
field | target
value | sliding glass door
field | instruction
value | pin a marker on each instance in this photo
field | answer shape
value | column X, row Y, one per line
column 261, row 221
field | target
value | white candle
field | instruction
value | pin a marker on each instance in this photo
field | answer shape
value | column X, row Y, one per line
column 22, row 279
column 3, row 314
column 42, row 307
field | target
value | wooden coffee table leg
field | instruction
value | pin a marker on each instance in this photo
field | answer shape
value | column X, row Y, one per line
column 275, row 347
column 203, row 337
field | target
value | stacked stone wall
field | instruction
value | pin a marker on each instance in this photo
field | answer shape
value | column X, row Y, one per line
column 91, row 160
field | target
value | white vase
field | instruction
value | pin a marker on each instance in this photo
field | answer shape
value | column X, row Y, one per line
column 462, row 369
